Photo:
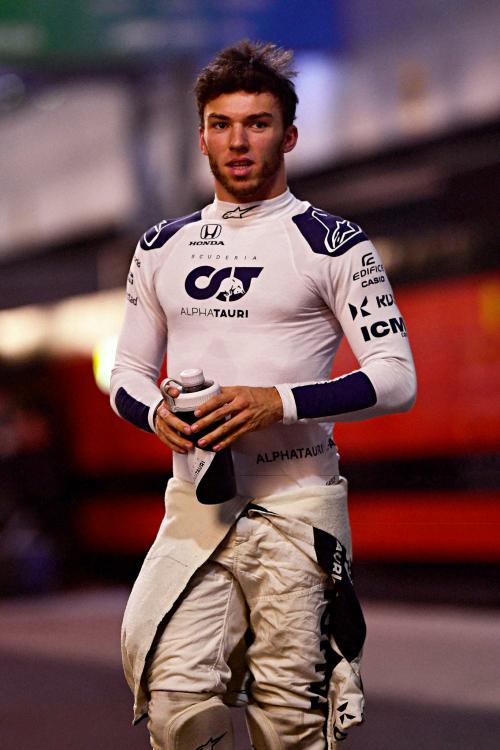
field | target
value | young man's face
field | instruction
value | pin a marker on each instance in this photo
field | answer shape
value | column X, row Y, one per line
column 244, row 140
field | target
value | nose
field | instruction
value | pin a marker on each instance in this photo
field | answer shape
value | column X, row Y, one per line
column 239, row 141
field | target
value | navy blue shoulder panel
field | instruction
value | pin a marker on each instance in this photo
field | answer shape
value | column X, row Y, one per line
column 132, row 410
column 160, row 233
column 327, row 234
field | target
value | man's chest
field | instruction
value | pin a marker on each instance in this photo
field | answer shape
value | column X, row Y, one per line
column 217, row 273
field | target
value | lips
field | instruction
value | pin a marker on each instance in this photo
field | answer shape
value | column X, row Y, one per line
column 240, row 167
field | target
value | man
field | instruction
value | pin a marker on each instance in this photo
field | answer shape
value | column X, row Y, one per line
column 256, row 289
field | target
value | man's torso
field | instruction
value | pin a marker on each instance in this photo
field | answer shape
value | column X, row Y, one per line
column 238, row 305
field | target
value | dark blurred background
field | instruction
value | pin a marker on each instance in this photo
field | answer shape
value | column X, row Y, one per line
column 399, row 123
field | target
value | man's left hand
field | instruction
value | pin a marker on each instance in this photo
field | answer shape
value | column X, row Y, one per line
column 250, row 409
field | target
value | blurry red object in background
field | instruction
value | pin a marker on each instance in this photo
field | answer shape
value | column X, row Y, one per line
column 126, row 525
column 426, row 526
column 100, row 442
column 404, row 526
column 454, row 332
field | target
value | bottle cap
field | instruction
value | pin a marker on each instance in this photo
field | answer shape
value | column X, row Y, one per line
column 192, row 377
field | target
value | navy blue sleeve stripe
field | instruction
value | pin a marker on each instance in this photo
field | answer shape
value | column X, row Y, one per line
column 352, row 393
column 165, row 230
column 132, row 410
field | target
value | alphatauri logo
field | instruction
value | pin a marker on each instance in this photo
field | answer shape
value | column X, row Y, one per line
column 227, row 284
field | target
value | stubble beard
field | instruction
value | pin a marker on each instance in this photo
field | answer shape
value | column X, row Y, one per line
column 241, row 187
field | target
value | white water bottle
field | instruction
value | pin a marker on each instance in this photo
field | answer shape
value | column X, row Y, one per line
column 212, row 473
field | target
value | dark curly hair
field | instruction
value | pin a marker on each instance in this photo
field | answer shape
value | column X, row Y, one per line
column 253, row 68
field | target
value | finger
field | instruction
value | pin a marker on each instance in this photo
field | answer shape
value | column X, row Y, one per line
column 214, row 403
column 172, row 446
column 173, row 391
column 231, row 438
column 167, row 425
column 236, row 406
column 166, row 416
column 173, row 440
column 218, row 415
column 223, row 430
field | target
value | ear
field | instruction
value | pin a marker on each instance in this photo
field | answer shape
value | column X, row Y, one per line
column 203, row 146
column 289, row 139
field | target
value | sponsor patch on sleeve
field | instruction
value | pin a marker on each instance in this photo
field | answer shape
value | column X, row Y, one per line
column 327, row 234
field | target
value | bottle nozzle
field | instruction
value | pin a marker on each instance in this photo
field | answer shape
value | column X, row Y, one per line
column 192, row 377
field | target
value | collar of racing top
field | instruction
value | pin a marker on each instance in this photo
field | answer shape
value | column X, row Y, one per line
column 243, row 212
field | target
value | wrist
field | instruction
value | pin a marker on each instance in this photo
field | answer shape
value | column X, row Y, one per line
column 155, row 413
column 277, row 403
column 289, row 413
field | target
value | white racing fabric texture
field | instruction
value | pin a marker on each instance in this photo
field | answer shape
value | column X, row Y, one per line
column 183, row 721
column 257, row 577
column 264, row 734
column 262, row 299
column 183, row 545
column 188, row 535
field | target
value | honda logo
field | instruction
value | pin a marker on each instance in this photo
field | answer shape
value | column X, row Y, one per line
column 210, row 231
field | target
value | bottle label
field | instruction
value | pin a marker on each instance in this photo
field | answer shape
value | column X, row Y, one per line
column 199, row 461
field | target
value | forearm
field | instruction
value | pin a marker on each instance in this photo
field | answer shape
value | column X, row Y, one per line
column 134, row 397
column 381, row 387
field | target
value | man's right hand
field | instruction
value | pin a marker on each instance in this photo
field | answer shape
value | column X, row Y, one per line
column 166, row 425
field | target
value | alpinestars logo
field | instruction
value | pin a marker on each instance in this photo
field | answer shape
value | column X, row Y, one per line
column 211, row 743
column 354, row 310
column 237, row 213
column 342, row 232
column 227, row 284
column 344, row 716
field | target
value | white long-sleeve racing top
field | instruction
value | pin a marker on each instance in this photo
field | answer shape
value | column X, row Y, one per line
column 261, row 294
